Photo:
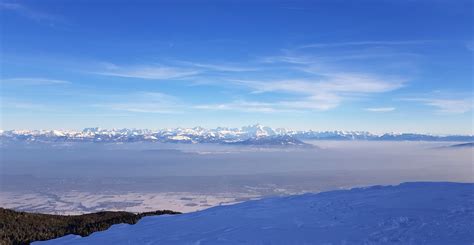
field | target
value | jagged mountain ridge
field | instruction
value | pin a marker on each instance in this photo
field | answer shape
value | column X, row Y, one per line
column 464, row 145
column 274, row 140
column 255, row 134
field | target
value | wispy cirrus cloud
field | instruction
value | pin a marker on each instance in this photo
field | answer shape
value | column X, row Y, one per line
column 446, row 104
column 365, row 43
column 33, row 81
column 219, row 67
column 144, row 102
column 244, row 106
column 326, row 92
column 305, row 62
column 316, row 84
column 324, row 82
column 470, row 46
column 150, row 72
column 300, row 105
column 23, row 105
column 287, row 58
column 172, row 70
column 26, row 11
column 343, row 82
column 380, row 109
column 453, row 106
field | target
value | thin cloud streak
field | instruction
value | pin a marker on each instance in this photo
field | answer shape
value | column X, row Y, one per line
column 470, row 46
column 141, row 108
column 290, row 59
column 243, row 106
column 27, row 12
column 380, row 109
column 220, row 67
column 447, row 106
column 290, row 106
column 343, row 82
column 450, row 106
column 23, row 105
column 365, row 43
column 154, row 72
column 319, row 84
column 145, row 102
column 324, row 94
column 33, row 81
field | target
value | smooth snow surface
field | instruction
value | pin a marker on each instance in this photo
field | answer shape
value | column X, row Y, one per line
column 410, row 213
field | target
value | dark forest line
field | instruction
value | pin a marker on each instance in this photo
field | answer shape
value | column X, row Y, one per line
column 24, row 228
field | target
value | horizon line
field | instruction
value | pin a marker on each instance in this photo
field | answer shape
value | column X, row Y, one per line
column 238, row 128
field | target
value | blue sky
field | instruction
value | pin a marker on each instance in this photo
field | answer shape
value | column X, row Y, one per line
column 379, row 66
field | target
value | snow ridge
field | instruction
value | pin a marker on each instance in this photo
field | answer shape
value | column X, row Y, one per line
column 410, row 213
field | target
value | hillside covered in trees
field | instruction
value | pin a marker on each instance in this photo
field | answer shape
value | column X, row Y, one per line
column 24, row 228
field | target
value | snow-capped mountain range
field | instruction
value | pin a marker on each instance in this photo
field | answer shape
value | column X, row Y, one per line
column 248, row 135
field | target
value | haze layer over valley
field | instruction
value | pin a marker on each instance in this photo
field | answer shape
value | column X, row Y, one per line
column 82, row 177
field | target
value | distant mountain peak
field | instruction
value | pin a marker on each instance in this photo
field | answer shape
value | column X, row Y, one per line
column 253, row 135
column 275, row 140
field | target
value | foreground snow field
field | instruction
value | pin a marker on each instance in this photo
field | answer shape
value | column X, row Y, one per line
column 410, row 213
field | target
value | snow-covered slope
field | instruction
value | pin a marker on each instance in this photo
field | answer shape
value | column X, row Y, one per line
column 410, row 213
